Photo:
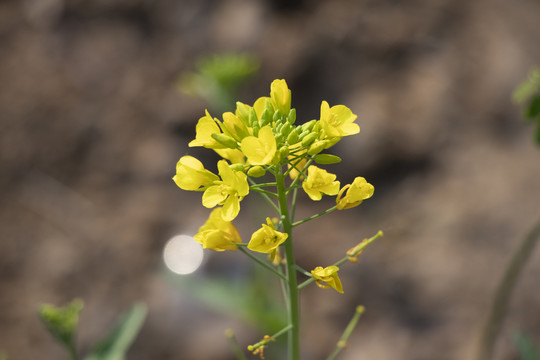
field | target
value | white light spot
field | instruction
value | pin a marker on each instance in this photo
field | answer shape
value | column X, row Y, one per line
column 182, row 254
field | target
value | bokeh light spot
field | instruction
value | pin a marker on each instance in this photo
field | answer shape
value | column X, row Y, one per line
column 182, row 254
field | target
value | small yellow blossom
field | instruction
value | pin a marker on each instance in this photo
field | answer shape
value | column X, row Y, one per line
column 319, row 182
column 266, row 239
column 218, row 234
column 337, row 121
column 228, row 192
column 234, row 126
column 259, row 105
column 281, row 96
column 191, row 174
column 357, row 192
column 204, row 130
column 261, row 149
column 327, row 277
column 235, row 156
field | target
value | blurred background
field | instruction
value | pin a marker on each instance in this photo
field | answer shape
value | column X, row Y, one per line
column 93, row 122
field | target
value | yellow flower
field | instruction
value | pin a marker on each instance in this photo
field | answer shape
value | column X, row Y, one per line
column 357, row 192
column 319, row 182
column 329, row 276
column 191, row 174
column 281, row 96
column 266, row 239
column 337, row 121
column 228, row 192
column 260, row 150
column 235, row 156
column 218, row 234
column 234, row 126
column 204, row 130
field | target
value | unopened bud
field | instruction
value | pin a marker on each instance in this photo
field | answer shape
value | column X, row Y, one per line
column 309, row 139
column 256, row 171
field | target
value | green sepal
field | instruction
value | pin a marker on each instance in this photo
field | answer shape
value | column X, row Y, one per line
column 326, row 159
column 225, row 140
column 237, row 167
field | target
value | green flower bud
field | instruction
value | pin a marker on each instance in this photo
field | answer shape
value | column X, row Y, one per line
column 236, row 167
column 253, row 120
column 293, row 137
column 325, row 159
column 309, row 139
column 225, row 140
column 316, row 147
column 277, row 116
column 285, row 129
column 309, row 125
column 292, row 116
column 284, row 152
column 256, row 171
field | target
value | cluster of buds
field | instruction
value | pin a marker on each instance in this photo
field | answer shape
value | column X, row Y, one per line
column 261, row 138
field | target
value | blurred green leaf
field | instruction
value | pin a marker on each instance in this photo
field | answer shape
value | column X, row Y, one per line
column 525, row 347
column 217, row 78
column 62, row 322
column 528, row 88
column 117, row 342
column 533, row 109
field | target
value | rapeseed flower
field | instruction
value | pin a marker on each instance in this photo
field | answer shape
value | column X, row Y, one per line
column 203, row 133
column 266, row 239
column 261, row 149
column 281, row 96
column 337, row 121
column 228, row 191
column 319, row 182
column 327, row 277
column 356, row 192
column 218, row 234
column 191, row 174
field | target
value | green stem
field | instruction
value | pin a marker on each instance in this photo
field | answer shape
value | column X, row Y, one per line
column 355, row 251
column 314, row 216
column 260, row 191
column 292, row 282
column 237, row 350
column 342, row 343
column 262, row 263
column 266, row 197
column 504, row 292
column 72, row 351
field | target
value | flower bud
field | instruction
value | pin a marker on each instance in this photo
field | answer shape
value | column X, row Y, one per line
column 293, row 137
column 291, row 118
column 325, row 159
column 316, row 147
column 309, row 139
column 256, row 171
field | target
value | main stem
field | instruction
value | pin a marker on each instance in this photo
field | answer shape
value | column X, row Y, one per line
column 292, row 282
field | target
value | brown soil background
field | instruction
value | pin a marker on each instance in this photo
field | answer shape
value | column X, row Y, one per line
column 92, row 127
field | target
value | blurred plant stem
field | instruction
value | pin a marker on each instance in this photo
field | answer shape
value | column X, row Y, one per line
column 504, row 292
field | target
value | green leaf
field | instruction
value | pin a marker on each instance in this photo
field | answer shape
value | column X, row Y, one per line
column 62, row 322
column 117, row 342
column 528, row 88
column 525, row 347
column 533, row 109
column 537, row 132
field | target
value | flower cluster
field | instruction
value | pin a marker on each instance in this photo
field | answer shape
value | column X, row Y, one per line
column 263, row 138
